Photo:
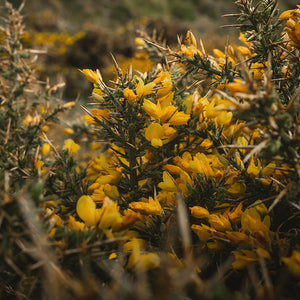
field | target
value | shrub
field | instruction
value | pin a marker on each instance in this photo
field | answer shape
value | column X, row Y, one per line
column 191, row 190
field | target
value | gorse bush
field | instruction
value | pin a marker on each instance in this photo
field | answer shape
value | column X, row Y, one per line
column 181, row 182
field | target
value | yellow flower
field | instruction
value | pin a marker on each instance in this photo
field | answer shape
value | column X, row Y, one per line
column 152, row 207
column 157, row 112
column 93, row 76
column 109, row 177
column 190, row 39
column 71, row 146
column 179, row 118
column 94, row 145
column 98, row 95
column 141, row 262
column 241, row 141
column 199, row 212
column 102, row 114
column 258, row 69
column 244, row 260
column 268, row 170
column 154, row 133
column 219, row 222
column 203, row 232
column 172, row 169
column 73, row 224
column 46, row 149
column 167, row 184
column 39, row 165
column 253, row 170
column 293, row 263
column 238, row 238
column 139, row 41
column 244, row 51
column 111, row 191
column 130, row 95
column 184, row 162
column 86, row 210
column 68, row 131
column 286, row 14
column 142, row 89
column 292, row 26
column 109, row 215
column 130, row 218
column 200, row 164
column 235, row 215
column 215, row 246
column 256, row 228
column 159, row 135
column 247, row 258
column 69, row 104
column 222, row 57
column 236, row 188
column 237, row 86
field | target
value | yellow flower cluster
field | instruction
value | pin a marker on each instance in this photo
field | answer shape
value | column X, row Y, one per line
column 57, row 42
column 292, row 26
column 169, row 141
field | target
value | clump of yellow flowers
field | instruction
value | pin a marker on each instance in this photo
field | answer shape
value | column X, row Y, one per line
column 221, row 147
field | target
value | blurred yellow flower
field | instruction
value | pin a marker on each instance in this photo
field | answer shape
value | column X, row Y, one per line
column 237, row 86
column 141, row 262
column 110, row 215
column 139, row 41
column 258, row 70
column 219, row 222
column 293, row 263
column 68, row 131
column 199, row 212
column 203, row 232
column 247, row 258
column 46, row 149
column 71, row 146
column 73, row 224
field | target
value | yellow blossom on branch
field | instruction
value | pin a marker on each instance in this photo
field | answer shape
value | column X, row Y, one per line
column 152, row 207
column 199, row 212
column 159, row 135
column 93, row 76
column 142, row 89
column 168, row 183
column 71, row 146
column 203, row 232
column 219, row 222
column 130, row 95
column 254, row 169
column 86, row 210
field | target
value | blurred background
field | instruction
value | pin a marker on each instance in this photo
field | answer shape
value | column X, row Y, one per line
column 80, row 34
